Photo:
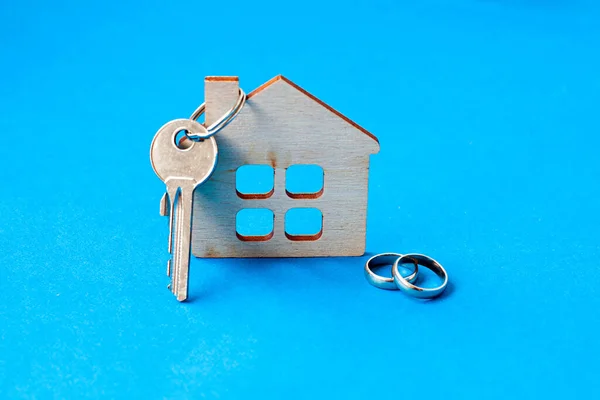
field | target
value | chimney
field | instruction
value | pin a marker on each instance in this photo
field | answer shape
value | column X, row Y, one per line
column 220, row 95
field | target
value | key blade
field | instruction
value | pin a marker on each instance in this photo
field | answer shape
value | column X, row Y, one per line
column 182, row 192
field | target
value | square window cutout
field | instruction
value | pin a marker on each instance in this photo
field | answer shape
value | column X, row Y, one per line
column 303, row 224
column 254, row 224
column 254, row 182
column 304, row 181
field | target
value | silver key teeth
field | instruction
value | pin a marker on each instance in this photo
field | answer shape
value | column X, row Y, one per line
column 181, row 170
column 164, row 205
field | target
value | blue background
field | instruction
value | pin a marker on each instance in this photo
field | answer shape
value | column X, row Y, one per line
column 487, row 114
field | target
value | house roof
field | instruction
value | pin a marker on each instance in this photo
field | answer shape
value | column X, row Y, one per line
column 282, row 78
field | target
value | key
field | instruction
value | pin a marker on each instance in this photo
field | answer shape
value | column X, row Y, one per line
column 182, row 167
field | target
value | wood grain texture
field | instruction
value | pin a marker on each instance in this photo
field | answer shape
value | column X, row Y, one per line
column 219, row 95
column 339, row 114
column 282, row 125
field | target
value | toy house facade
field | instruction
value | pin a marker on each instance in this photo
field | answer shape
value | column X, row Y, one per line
column 282, row 126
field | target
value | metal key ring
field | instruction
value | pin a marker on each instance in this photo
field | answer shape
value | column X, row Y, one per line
column 408, row 287
column 383, row 282
column 221, row 122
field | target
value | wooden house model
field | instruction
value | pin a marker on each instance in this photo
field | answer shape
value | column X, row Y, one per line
column 282, row 127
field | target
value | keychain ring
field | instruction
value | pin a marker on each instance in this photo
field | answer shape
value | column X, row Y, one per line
column 221, row 122
column 416, row 291
column 380, row 281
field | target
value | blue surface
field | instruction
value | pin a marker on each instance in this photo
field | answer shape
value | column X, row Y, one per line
column 254, row 221
column 304, row 178
column 487, row 114
column 254, row 179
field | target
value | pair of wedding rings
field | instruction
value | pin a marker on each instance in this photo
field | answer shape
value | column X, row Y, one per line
column 405, row 283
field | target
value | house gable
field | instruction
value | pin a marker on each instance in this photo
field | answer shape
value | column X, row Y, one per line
column 370, row 144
